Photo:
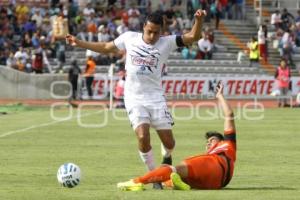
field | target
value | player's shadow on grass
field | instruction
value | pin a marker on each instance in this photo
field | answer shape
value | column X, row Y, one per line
column 260, row 188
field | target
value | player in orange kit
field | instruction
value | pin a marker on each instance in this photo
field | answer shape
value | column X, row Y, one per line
column 89, row 74
column 212, row 170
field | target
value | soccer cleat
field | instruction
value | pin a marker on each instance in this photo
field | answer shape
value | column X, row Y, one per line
column 130, row 186
column 157, row 186
column 178, row 183
column 167, row 160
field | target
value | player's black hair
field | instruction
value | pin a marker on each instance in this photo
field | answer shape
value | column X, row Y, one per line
column 155, row 18
column 216, row 134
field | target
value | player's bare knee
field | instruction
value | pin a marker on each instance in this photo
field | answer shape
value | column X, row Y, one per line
column 142, row 138
column 142, row 128
column 182, row 170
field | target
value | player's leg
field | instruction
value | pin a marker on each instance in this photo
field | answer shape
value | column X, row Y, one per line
column 158, row 175
column 140, row 119
column 144, row 146
column 145, row 149
column 140, row 122
column 161, row 174
column 167, row 146
column 182, row 170
column 176, row 177
column 162, row 121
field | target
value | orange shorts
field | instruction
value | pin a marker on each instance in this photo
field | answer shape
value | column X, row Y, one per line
column 205, row 171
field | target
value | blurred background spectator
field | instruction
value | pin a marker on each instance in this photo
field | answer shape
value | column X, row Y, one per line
column 205, row 47
column 262, row 43
column 119, row 90
column 283, row 76
column 89, row 73
column 73, row 76
column 276, row 20
column 189, row 53
column 253, row 52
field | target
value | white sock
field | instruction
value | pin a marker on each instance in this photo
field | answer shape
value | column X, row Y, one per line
column 148, row 159
column 165, row 152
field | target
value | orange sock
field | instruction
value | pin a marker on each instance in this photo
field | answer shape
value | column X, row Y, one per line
column 160, row 174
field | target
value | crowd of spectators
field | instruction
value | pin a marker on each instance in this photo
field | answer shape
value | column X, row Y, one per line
column 27, row 41
column 286, row 34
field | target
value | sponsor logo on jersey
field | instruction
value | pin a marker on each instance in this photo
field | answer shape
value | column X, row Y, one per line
column 144, row 61
column 145, row 58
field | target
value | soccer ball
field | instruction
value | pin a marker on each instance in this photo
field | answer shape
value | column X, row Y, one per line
column 68, row 175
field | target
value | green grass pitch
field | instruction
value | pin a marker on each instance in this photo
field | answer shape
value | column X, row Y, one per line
column 34, row 143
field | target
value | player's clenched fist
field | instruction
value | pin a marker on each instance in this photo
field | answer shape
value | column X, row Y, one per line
column 70, row 39
column 199, row 14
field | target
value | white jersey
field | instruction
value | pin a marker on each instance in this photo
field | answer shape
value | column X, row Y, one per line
column 144, row 63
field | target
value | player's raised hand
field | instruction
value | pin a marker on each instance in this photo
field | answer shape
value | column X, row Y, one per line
column 219, row 89
column 199, row 14
column 70, row 39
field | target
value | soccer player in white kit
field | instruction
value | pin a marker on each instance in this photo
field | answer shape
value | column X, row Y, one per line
column 144, row 98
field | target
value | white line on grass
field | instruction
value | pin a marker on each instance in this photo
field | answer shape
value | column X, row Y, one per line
column 43, row 125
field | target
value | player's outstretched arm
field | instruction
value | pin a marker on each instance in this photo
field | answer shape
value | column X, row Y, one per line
column 100, row 47
column 195, row 33
column 228, row 112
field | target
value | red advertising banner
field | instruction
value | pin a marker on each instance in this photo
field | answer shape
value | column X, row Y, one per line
column 236, row 86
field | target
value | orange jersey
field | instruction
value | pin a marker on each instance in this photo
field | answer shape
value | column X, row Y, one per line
column 214, row 169
column 90, row 68
column 226, row 147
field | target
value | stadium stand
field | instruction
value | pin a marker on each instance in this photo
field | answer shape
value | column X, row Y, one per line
column 268, row 8
column 228, row 39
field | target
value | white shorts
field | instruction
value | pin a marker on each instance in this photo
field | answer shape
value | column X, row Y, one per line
column 157, row 115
